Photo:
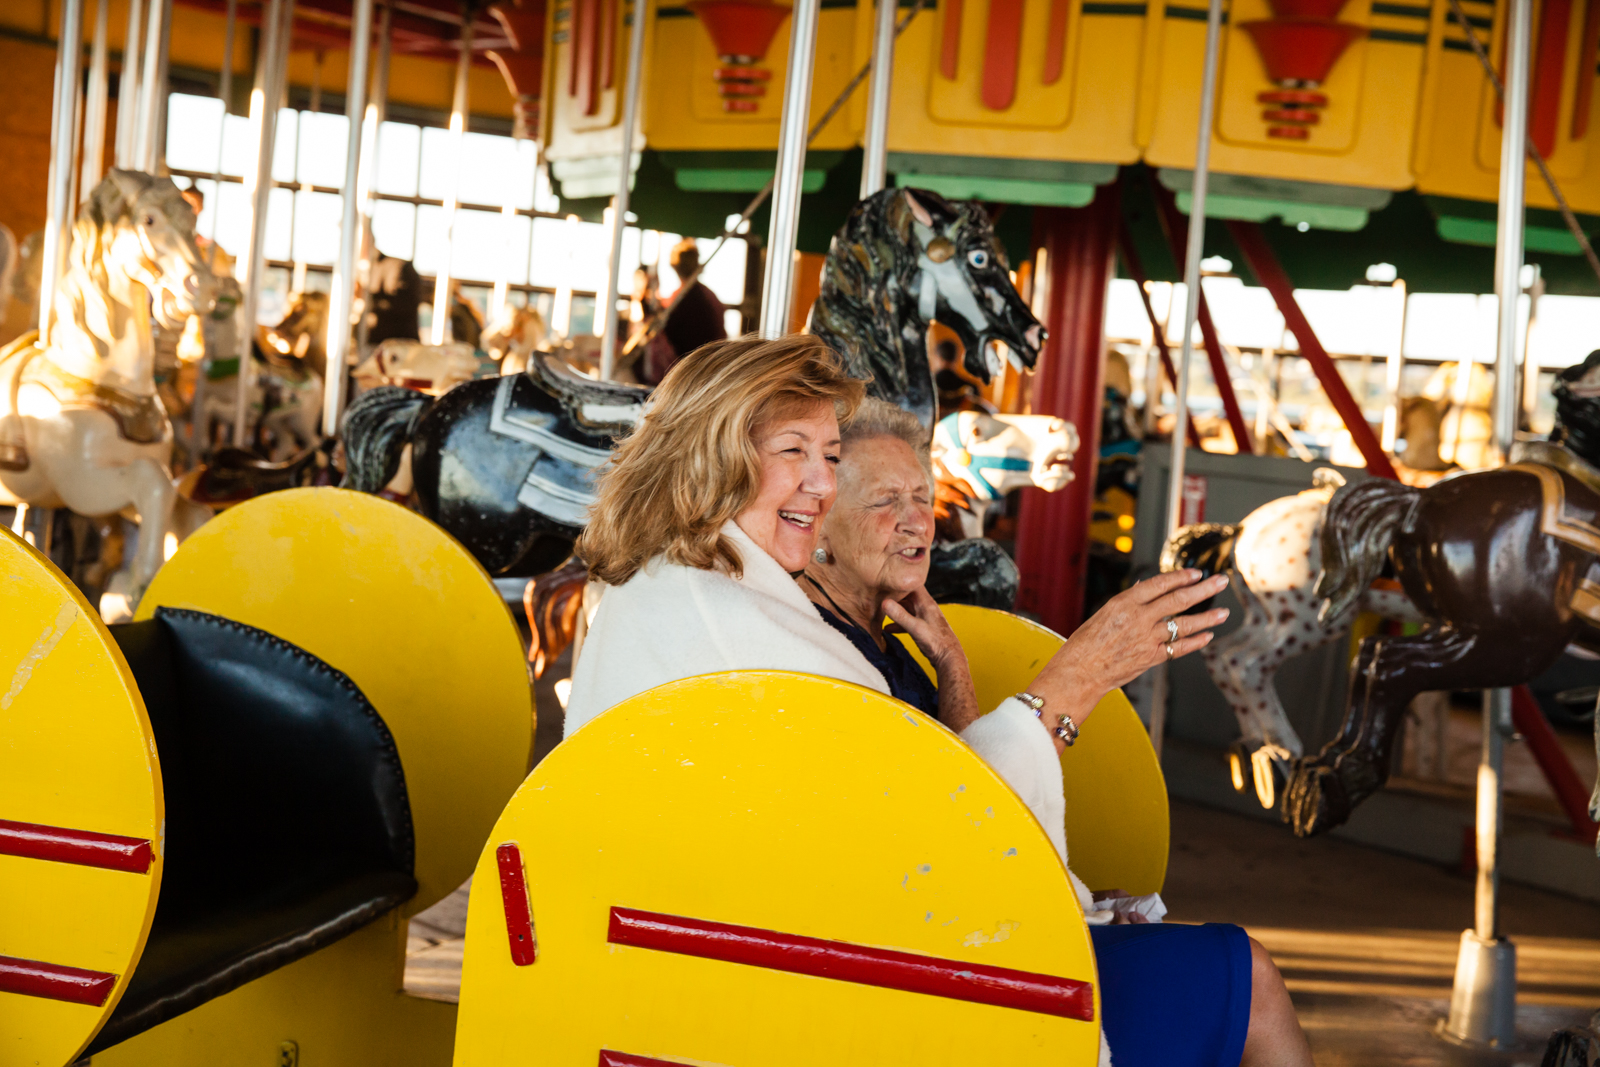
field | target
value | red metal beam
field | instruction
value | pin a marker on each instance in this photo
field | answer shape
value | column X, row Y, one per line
column 1135, row 267
column 514, row 897
column 1053, row 528
column 1264, row 264
column 1571, row 793
column 845, row 961
column 1176, row 225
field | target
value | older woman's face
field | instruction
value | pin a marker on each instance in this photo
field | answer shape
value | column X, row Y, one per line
column 798, row 456
column 882, row 525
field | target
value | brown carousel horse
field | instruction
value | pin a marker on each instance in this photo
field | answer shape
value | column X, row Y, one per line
column 1503, row 563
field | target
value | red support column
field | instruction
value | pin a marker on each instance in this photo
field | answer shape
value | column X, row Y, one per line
column 1264, row 264
column 1053, row 528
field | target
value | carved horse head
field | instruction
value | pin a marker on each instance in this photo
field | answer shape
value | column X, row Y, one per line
column 908, row 257
column 994, row 454
column 299, row 340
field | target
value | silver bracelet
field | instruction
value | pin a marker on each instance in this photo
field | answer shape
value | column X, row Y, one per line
column 1067, row 730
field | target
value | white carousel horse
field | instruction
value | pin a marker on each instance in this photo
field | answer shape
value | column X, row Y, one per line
column 513, row 336
column 431, row 369
column 978, row 458
column 81, row 425
column 1274, row 556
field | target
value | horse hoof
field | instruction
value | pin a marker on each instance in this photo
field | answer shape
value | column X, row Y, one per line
column 1264, row 770
column 1238, row 756
column 1315, row 801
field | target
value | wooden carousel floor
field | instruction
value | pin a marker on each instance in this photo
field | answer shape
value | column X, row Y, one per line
column 1366, row 939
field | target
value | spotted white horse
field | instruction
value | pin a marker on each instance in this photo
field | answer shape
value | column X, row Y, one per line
column 1274, row 559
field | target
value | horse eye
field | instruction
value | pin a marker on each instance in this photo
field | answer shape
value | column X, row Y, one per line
column 149, row 220
column 978, row 258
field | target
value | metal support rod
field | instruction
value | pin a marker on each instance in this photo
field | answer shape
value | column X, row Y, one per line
column 341, row 293
column 458, row 126
column 777, row 293
column 1135, row 267
column 619, row 203
column 1394, row 366
column 1191, row 272
column 377, row 109
column 277, row 19
column 1483, row 996
column 128, row 87
column 152, row 89
column 63, row 157
column 94, row 105
column 224, row 94
column 875, row 143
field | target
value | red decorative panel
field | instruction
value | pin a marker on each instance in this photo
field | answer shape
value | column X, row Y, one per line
column 514, row 897
column 1001, row 47
column 846, row 962
column 1549, row 64
column 82, row 847
column 1055, row 45
column 1586, row 65
column 950, row 43
column 608, row 44
column 581, row 70
column 74, row 985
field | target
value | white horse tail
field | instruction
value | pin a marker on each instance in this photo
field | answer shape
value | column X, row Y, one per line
column 375, row 428
column 1205, row 546
column 1362, row 521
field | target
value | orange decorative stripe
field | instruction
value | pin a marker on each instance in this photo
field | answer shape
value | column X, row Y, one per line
column 1548, row 67
column 1586, row 64
column 950, row 45
column 1000, row 49
column 1055, row 45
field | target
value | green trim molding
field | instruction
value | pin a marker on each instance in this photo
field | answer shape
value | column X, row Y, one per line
column 1041, row 182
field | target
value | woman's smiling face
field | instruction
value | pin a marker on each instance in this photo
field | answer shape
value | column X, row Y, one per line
column 882, row 525
column 798, row 455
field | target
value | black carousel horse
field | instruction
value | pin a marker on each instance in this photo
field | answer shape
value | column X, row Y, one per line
column 1505, row 565
column 908, row 257
column 507, row 465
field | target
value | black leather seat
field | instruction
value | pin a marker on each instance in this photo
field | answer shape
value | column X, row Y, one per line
column 287, row 822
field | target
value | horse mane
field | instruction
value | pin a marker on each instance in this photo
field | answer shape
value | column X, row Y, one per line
column 84, row 306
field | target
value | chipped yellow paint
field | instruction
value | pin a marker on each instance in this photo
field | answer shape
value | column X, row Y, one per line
column 76, row 752
column 782, row 801
column 1118, row 830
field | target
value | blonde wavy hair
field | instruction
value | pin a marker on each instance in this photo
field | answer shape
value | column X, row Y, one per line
column 692, row 464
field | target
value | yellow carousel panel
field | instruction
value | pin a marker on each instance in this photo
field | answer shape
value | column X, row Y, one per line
column 1323, row 91
column 81, row 815
column 763, row 869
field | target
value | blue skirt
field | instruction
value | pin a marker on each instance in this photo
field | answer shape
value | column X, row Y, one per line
column 1174, row 995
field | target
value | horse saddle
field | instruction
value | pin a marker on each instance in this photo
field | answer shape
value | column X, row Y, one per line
column 140, row 419
column 1573, row 517
column 571, row 442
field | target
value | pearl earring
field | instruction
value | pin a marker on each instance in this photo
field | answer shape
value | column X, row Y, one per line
column 820, row 555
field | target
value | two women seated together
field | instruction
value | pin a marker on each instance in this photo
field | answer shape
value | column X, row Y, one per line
column 764, row 516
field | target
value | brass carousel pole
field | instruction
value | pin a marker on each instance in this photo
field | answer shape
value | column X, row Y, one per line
column 619, row 203
column 128, row 87
column 342, row 292
column 875, row 145
column 277, row 22
column 458, row 127
column 777, row 293
column 1191, row 312
column 1483, row 999
column 63, row 157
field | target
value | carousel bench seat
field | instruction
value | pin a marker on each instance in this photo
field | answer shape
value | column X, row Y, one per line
column 287, row 821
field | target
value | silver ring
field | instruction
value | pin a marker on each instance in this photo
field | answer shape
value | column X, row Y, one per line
column 1169, row 650
column 1172, row 631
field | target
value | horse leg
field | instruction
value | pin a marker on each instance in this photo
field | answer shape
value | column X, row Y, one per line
column 1388, row 673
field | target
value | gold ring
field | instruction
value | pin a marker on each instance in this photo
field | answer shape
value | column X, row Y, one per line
column 1169, row 650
